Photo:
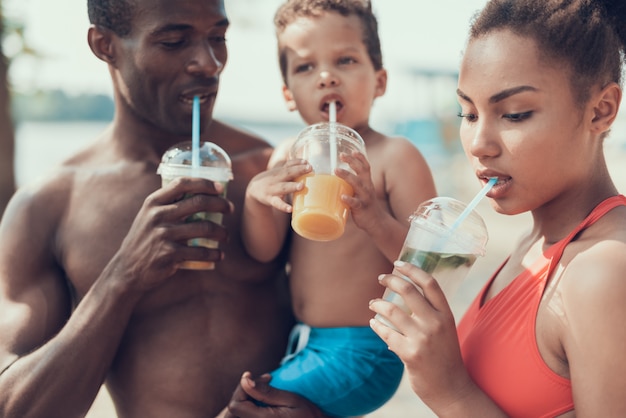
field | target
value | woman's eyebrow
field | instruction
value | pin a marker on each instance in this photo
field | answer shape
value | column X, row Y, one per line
column 501, row 95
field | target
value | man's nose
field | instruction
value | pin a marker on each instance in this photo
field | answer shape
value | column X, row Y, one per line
column 206, row 61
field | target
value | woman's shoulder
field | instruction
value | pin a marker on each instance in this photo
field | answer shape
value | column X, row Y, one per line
column 596, row 265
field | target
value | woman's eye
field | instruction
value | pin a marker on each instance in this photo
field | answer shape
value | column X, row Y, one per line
column 518, row 117
column 470, row 117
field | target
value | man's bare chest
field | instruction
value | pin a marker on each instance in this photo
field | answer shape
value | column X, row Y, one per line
column 97, row 219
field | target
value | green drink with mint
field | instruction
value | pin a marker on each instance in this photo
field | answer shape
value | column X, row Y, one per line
column 441, row 247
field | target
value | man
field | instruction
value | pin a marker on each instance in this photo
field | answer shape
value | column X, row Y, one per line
column 90, row 288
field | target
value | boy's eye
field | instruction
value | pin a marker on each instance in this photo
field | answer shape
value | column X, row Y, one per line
column 346, row 60
column 518, row 117
column 303, row 67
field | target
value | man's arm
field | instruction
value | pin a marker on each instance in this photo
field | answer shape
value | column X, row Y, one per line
column 51, row 360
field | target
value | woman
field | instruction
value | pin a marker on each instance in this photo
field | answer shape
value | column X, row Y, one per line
column 539, row 87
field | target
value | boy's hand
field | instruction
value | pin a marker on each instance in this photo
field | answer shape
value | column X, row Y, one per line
column 365, row 208
column 271, row 187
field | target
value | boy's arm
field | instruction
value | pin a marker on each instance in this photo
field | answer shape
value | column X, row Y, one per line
column 407, row 181
column 267, row 211
column 263, row 228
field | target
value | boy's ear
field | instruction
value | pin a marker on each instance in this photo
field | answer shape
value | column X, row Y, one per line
column 289, row 100
column 101, row 43
column 381, row 82
column 606, row 106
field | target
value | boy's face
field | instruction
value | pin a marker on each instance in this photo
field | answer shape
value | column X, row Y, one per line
column 175, row 50
column 327, row 60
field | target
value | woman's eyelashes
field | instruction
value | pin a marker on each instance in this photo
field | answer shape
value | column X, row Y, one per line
column 513, row 117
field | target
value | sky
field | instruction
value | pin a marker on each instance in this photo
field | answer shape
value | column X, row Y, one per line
column 414, row 34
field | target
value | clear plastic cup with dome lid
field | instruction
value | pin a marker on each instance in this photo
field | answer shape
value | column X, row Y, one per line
column 214, row 164
column 444, row 240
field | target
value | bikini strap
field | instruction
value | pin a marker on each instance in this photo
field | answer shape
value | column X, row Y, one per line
column 597, row 213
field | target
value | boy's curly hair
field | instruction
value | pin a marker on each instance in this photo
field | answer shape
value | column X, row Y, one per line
column 293, row 9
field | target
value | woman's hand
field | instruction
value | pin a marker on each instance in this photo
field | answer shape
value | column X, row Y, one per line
column 426, row 340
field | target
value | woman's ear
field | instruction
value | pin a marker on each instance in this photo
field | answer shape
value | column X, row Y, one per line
column 101, row 43
column 606, row 106
column 289, row 100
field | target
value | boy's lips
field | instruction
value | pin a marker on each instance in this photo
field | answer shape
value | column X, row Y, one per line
column 324, row 106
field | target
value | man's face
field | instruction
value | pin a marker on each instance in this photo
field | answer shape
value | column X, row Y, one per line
column 176, row 50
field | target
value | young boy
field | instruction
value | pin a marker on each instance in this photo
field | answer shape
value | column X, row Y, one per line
column 329, row 50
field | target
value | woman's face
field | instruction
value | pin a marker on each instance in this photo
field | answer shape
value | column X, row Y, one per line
column 521, row 123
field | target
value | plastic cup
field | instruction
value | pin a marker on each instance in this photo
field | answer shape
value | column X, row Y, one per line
column 433, row 245
column 215, row 165
column 318, row 212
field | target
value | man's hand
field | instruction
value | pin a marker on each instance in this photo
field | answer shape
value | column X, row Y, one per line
column 156, row 243
column 255, row 398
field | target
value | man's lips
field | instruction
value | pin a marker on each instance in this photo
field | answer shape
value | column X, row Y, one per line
column 204, row 97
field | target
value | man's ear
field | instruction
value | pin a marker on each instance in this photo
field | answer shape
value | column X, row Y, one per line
column 101, row 43
column 605, row 107
column 289, row 100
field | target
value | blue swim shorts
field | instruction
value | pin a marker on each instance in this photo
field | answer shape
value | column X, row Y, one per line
column 347, row 371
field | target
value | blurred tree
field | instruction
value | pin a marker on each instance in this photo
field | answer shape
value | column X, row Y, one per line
column 7, row 132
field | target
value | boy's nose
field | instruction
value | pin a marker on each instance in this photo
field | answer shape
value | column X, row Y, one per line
column 326, row 79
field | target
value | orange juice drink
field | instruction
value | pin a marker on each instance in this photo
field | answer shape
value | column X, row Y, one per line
column 318, row 212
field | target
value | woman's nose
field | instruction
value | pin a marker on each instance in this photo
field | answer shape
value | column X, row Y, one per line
column 481, row 141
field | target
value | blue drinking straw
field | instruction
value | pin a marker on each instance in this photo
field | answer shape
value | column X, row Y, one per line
column 195, row 135
column 470, row 207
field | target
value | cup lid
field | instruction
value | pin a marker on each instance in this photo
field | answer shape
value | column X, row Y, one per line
column 438, row 215
column 215, row 164
column 345, row 136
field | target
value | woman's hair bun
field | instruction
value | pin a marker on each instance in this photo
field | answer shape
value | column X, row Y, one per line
column 616, row 14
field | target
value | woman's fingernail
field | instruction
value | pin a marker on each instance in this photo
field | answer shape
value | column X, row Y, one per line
column 399, row 263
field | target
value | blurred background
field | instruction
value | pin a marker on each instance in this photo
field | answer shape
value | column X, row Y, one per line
column 60, row 98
